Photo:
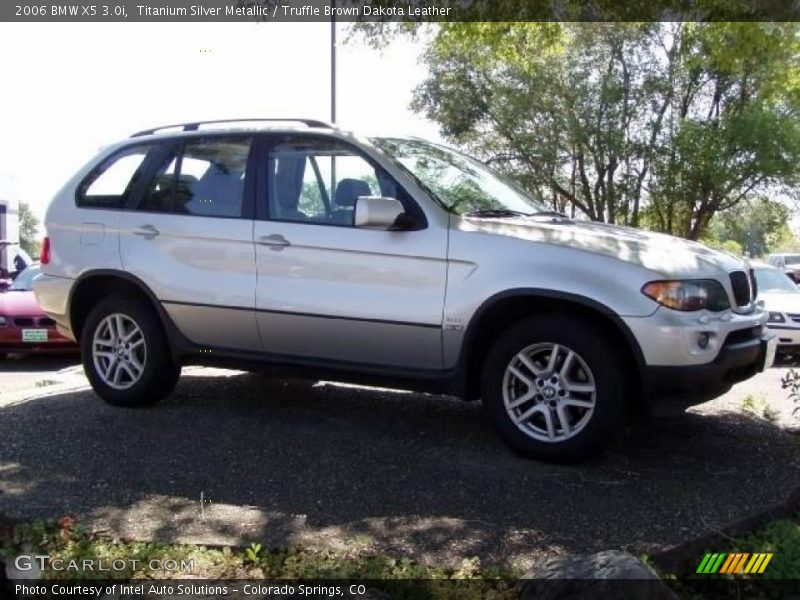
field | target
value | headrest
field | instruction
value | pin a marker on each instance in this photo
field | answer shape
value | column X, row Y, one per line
column 349, row 190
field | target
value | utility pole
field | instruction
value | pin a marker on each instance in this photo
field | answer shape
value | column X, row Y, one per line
column 333, row 64
column 333, row 93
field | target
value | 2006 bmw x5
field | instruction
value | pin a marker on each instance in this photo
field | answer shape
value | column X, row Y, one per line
column 395, row 261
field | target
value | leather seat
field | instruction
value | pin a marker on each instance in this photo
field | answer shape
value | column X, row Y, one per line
column 286, row 199
column 344, row 200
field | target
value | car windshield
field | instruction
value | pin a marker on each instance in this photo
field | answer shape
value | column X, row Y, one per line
column 772, row 280
column 24, row 281
column 792, row 259
column 462, row 184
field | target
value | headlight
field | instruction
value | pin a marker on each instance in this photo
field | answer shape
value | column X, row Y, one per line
column 688, row 295
column 776, row 317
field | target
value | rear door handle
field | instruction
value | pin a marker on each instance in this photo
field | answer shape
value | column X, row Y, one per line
column 148, row 231
column 276, row 241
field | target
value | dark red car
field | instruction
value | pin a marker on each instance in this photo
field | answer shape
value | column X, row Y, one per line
column 24, row 328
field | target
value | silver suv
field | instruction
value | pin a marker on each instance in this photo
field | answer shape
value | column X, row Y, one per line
column 308, row 251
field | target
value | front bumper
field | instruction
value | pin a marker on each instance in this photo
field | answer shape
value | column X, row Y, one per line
column 688, row 385
column 787, row 336
column 671, row 339
column 11, row 342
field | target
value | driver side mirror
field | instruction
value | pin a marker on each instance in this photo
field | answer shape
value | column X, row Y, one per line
column 378, row 212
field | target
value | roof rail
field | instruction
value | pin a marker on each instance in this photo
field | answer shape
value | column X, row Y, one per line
column 196, row 124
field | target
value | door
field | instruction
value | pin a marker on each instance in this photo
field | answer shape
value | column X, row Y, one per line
column 328, row 290
column 190, row 239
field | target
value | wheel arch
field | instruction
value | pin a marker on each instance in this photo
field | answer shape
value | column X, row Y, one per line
column 93, row 285
column 499, row 312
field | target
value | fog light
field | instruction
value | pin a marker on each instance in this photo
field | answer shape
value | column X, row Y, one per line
column 703, row 339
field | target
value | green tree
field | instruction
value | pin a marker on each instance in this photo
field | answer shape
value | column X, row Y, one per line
column 656, row 124
column 733, row 122
column 28, row 230
column 757, row 227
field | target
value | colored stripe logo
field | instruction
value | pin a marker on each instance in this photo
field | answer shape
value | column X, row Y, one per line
column 735, row 563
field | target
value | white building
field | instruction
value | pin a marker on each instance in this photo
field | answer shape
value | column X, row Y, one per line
column 9, row 220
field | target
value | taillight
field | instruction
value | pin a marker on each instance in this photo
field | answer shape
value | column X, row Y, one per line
column 44, row 255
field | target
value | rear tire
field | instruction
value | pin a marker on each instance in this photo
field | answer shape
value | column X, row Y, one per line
column 530, row 394
column 125, row 353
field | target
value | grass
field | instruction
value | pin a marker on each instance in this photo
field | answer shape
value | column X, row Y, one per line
column 759, row 407
column 68, row 541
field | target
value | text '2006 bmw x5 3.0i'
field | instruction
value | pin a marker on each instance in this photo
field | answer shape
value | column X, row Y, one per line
column 389, row 261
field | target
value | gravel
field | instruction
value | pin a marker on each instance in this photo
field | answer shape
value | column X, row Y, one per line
column 232, row 458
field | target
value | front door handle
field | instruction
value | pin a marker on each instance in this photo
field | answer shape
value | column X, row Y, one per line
column 148, row 231
column 275, row 241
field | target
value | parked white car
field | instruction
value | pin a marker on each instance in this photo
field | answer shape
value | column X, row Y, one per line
column 395, row 261
column 781, row 298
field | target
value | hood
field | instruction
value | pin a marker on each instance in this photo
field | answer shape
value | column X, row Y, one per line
column 19, row 304
column 781, row 302
column 668, row 255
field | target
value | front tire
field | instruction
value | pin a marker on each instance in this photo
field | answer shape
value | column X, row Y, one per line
column 553, row 388
column 125, row 353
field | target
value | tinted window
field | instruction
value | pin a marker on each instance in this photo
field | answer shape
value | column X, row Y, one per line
column 206, row 179
column 109, row 185
column 319, row 181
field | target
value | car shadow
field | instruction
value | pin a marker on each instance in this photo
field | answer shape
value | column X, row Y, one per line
column 243, row 458
column 35, row 363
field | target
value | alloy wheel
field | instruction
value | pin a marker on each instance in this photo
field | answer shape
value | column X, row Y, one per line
column 549, row 392
column 119, row 351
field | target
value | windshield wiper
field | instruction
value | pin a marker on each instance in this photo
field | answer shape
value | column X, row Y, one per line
column 490, row 213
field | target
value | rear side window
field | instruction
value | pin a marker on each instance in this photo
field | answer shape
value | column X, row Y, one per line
column 205, row 178
column 109, row 185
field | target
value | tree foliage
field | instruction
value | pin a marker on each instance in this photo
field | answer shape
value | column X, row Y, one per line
column 28, row 230
column 756, row 228
column 657, row 124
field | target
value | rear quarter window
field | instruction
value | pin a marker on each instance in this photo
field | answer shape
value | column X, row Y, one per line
column 111, row 182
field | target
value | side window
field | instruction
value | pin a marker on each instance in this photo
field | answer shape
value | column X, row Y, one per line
column 205, row 179
column 109, row 185
column 319, row 181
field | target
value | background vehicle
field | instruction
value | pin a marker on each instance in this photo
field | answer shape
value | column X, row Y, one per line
column 789, row 263
column 24, row 328
column 781, row 298
column 14, row 260
column 310, row 251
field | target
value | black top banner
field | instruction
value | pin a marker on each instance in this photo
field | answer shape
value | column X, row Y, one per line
column 397, row 10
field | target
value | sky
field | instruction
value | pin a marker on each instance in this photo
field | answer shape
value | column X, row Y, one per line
column 69, row 89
